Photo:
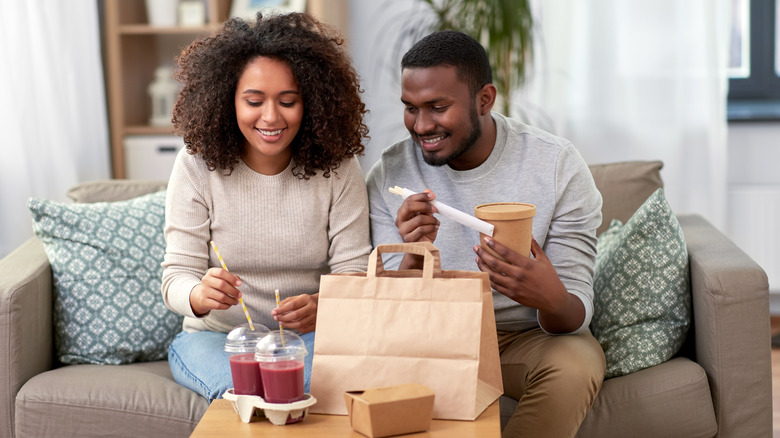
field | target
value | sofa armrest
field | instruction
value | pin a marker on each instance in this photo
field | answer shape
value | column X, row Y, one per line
column 731, row 328
column 26, row 344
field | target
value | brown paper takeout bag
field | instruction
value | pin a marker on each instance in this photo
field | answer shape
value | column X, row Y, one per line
column 432, row 327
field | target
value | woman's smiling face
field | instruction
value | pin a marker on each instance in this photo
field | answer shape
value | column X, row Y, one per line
column 269, row 112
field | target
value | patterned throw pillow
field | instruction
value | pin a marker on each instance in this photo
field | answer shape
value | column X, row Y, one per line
column 642, row 303
column 105, row 258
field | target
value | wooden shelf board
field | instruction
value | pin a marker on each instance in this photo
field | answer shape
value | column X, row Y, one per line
column 148, row 130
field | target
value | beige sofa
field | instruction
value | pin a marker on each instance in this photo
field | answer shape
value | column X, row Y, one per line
column 720, row 385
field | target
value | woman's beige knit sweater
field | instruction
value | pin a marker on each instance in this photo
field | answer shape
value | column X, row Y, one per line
column 274, row 232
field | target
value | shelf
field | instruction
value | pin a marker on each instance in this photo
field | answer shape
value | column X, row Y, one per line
column 133, row 50
column 148, row 130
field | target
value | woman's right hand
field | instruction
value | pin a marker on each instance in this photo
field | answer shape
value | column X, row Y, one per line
column 218, row 290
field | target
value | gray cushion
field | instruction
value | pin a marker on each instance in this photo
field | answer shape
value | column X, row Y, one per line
column 668, row 400
column 642, row 297
column 135, row 400
column 629, row 406
column 624, row 187
column 105, row 258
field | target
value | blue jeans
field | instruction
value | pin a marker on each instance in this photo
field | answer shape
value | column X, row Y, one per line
column 199, row 362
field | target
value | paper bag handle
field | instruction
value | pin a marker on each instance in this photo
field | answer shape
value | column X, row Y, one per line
column 431, row 258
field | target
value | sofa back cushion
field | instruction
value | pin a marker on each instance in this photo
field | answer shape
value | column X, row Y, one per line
column 624, row 186
column 114, row 190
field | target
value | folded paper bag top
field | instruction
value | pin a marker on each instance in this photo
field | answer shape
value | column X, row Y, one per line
column 390, row 410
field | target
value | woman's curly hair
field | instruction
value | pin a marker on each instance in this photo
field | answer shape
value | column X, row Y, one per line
column 332, row 128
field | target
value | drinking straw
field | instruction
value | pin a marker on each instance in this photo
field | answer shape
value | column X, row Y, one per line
column 243, row 306
column 452, row 213
column 281, row 332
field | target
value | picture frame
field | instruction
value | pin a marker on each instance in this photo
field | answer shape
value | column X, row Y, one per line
column 248, row 9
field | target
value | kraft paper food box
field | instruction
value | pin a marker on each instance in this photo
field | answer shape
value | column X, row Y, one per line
column 390, row 410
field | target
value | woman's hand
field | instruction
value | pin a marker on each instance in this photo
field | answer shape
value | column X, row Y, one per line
column 217, row 290
column 298, row 312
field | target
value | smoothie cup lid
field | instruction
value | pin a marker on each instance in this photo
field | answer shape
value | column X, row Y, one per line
column 280, row 346
column 242, row 339
column 503, row 211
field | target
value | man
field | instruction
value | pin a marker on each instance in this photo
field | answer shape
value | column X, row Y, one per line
column 464, row 155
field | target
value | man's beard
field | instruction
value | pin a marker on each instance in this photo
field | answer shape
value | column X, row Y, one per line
column 465, row 145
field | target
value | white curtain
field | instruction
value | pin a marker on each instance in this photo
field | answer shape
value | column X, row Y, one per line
column 53, row 122
column 638, row 80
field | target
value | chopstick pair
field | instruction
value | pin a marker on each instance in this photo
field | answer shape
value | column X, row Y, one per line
column 243, row 306
column 452, row 213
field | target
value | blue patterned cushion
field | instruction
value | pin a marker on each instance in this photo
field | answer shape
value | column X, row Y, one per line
column 642, row 303
column 105, row 258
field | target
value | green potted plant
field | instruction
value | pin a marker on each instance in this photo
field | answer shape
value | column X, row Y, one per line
column 504, row 27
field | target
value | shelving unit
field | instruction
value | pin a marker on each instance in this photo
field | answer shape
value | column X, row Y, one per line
column 133, row 50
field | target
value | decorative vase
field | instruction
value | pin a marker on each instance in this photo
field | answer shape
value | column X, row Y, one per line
column 163, row 92
column 161, row 12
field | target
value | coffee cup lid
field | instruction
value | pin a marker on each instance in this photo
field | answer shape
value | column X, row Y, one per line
column 505, row 211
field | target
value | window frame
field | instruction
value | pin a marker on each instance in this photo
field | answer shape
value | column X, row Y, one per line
column 757, row 97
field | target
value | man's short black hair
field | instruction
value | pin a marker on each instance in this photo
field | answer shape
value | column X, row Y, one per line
column 456, row 49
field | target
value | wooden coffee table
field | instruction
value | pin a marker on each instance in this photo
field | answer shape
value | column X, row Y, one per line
column 220, row 420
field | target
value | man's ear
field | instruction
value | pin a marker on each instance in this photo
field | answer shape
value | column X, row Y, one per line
column 486, row 98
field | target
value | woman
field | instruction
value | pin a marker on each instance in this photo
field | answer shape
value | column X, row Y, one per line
column 272, row 118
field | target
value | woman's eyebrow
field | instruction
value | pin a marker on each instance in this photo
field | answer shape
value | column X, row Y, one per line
column 253, row 91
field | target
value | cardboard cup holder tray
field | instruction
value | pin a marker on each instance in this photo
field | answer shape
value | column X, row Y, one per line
column 279, row 414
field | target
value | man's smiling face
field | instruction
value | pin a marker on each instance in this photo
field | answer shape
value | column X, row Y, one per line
column 441, row 115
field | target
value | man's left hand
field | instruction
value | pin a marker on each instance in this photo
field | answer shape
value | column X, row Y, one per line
column 532, row 282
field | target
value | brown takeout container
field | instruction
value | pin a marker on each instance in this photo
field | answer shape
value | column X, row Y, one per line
column 390, row 410
column 513, row 222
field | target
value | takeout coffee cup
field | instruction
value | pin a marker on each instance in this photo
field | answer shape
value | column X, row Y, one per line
column 240, row 345
column 513, row 225
column 280, row 356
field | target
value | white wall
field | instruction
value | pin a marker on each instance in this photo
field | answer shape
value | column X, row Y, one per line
column 371, row 35
column 754, row 194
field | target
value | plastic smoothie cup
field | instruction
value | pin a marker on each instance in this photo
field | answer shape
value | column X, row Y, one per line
column 240, row 344
column 513, row 222
column 280, row 355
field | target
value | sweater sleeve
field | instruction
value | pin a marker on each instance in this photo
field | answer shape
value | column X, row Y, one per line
column 382, row 214
column 571, row 240
column 348, row 229
column 186, row 229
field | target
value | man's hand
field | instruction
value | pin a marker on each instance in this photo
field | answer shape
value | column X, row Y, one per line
column 532, row 283
column 217, row 290
column 416, row 223
column 298, row 312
